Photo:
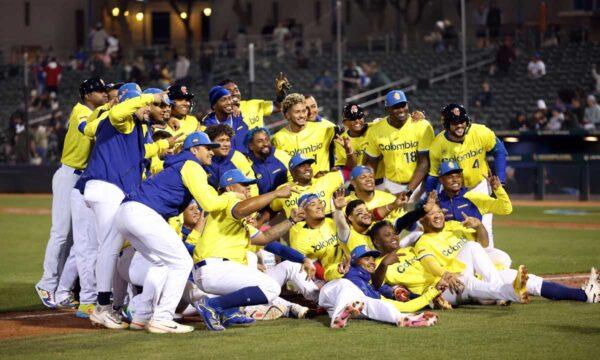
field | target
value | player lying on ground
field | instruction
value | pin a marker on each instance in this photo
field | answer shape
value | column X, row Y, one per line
column 355, row 296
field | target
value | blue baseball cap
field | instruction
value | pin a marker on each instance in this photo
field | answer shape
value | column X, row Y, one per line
column 234, row 176
column 362, row 251
column 216, row 93
column 157, row 91
column 448, row 167
column 198, row 138
column 129, row 91
column 359, row 170
column 394, row 98
column 305, row 198
column 298, row 160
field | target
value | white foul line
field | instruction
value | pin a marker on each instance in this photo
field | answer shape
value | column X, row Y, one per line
column 36, row 316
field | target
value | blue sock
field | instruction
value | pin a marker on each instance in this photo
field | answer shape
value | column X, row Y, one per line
column 251, row 295
column 554, row 291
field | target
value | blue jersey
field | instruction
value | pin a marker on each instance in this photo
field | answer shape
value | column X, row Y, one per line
column 270, row 172
column 240, row 129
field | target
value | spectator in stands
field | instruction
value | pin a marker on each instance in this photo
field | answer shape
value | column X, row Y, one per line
column 112, row 50
column 556, row 121
column 494, row 20
column 281, row 34
column 40, row 140
column 98, row 37
column 596, row 78
column 481, row 24
column 37, row 70
column 485, row 97
column 182, row 67
column 166, row 78
column 138, row 71
column 571, row 121
column 21, row 148
column 577, row 110
column 351, row 79
column 52, row 74
column 591, row 117
column 377, row 76
column 539, row 120
column 436, row 37
column 520, row 122
column 324, row 82
column 505, row 56
column 450, row 35
column 206, row 62
column 536, row 67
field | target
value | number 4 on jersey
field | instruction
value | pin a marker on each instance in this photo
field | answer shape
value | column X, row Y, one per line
column 476, row 164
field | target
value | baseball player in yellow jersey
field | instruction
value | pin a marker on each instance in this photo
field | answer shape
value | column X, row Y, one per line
column 448, row 251
column 254, row 111
column 181, row 121
column 310, row 139
column 313, row 111
column 220, row 255
column 304, row 182
column 456, row 200
column 402, row 144
column 468, row 144
column 317, row 238
column 363, row 182
column 74, row 159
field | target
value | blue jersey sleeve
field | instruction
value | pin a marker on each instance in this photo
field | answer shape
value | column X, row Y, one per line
column 499, row 153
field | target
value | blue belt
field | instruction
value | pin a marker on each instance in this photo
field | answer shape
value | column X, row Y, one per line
column 200, row 264
column 77, row 172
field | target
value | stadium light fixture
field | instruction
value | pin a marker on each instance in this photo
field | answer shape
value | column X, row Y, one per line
column 115, row 11
column 511, row 139
column 139, row 16
column 590, row 138
column 183, row 15
column 207, row 11
column 126, row 13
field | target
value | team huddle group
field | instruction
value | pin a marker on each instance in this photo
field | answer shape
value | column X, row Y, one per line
column 172, row 217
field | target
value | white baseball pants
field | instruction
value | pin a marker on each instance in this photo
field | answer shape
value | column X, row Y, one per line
column 534, row 282
column 67, row 278
column 290, row 271
column 336, row 294
column 154, row 239
column 85, row 246
column 104, row 199
column 477, row 261
column 484, row 188
column 57, row 249
column 223, row 277
column 121, row 282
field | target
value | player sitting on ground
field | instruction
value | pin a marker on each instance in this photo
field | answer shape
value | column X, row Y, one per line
column 354, row 295
column 220, row 255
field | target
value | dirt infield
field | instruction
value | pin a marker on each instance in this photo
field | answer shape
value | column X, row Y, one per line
column 15, row 325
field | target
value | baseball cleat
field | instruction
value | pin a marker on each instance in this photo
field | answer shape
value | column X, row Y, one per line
column 440, row 303
column 105, row 315
column 520, row 285
column 209, row 315
column 418, row 320
column 46, row 296
column 235, row 317
column 68, row 303
column 275, row 312
column 351, row 309
column 298, row 311
column 257, row 312
column 168, row 327
column 592, row 288
column 84, row 311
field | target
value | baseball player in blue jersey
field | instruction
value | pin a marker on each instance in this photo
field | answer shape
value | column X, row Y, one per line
column 221, row 103
column 114, row 170
column 269, row 164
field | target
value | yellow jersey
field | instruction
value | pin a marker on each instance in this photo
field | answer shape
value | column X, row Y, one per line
column 187, row 125
column 409, row 272
column 470, row 154
column 77, row 147
column 399, row 147
column 312, row 141
column 359, row 146
column 224, row 236
column 356, row 239
column 254, row 111
column 445, row 245
column 319, row 244
column 380, row 198
column 323, row 187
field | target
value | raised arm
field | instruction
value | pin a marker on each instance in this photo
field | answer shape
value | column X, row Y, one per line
column 251, row 205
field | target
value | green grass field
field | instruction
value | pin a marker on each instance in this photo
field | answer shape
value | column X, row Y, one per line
column 542, row 329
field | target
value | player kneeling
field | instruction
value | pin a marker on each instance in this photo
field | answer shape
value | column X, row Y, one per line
column 355, row 296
